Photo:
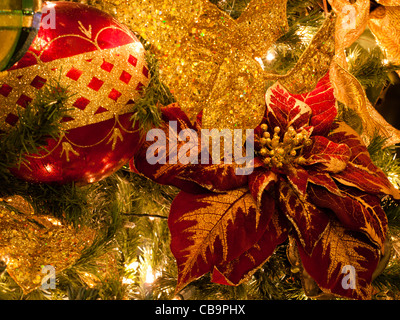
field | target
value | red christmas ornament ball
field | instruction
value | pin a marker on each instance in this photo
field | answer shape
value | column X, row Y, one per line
column 103, row 64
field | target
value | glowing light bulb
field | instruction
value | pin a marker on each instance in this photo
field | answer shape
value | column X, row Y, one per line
column 259, row 60
column 149, row 275
column 270, row 56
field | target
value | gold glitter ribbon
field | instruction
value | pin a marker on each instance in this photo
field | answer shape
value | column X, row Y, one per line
column 104, row 82
column 349, row 91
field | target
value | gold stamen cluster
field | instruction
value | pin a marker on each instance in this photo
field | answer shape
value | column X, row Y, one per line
column 276, row 152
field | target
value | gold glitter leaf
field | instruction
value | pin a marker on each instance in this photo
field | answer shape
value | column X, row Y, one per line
column 207, row 59
column 313, row 64
column 29, row 241
column 261, row 22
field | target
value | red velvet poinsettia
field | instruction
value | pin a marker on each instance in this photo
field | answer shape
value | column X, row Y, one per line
column 313, row 180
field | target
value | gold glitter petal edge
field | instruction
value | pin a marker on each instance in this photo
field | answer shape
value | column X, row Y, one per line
column 313, row 64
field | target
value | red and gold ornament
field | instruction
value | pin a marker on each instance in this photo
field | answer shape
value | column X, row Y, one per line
column 103, row 64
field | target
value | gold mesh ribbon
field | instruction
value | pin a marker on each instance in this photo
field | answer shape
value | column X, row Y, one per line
column 349, row 91
column 352, row 21
column 385, row 25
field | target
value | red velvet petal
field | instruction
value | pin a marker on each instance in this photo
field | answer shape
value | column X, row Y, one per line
column 309, row 221
column 316, row 109
column 342, row 262
column 323, row 105
column 357, row 210
column 324, row 180
column 327, row 155
column 212, row 229
column 260, row 181
column 240, row 269
column 298, row 178
column 283, row 110
column 360, row 172
column 167, row 159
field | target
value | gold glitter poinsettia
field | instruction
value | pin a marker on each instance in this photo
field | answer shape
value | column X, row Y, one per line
column 312, row 180
column 207, row 59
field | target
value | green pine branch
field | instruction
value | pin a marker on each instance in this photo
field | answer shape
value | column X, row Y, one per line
column 39, row 121
column 147, row 112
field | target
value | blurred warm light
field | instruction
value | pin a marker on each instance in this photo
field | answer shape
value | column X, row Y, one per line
column 149, row 275
column 270, row 56
column 132, row 266
column 261, row 62
column 394, row 179
column 50, row 4
column 305, row 34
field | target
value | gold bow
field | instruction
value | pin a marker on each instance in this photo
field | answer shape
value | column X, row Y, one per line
column 207, row 59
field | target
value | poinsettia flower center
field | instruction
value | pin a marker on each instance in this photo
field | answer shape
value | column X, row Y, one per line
column 283, row 148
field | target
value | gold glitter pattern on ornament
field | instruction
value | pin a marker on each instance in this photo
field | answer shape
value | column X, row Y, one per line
column 207, row 59
column 28, row 242
column 105, row 83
